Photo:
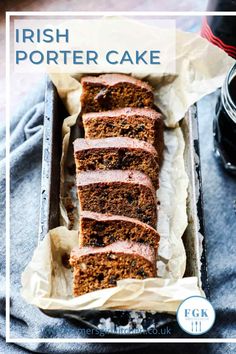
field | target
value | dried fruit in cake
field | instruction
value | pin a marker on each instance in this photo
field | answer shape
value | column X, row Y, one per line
column 140, row 123
column 127, row 193
column 99, row 230
column 100, row 267
column 117, row 153
column 110, row 91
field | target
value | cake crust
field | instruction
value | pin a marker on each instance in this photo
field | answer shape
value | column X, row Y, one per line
column 117, row 142
column 126, row 112
column 114, row 79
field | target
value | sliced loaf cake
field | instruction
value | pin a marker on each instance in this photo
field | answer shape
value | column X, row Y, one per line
column 103, row 229
column 127, row 193
column 100, row 267
column 140, row 123
column 110, row 91
column 117, row 153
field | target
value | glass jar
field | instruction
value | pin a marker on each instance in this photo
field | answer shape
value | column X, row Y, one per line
column 224, row 124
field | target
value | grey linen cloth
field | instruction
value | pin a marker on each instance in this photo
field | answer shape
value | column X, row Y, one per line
column 29, row 322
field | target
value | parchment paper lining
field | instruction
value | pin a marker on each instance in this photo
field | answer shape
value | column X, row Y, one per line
column 51, row 285
column 46, row 283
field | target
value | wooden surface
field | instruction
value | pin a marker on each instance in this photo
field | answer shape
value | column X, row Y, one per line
column 21, row 84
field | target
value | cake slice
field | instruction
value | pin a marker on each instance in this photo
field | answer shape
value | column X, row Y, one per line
column 140, row 123
column 100, row 267
column 110, row 91
column 117, row 153
column 103, row 229
column 128, row 193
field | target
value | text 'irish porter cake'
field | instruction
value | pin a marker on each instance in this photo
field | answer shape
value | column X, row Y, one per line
column 100, row 267
column 128, row 193
column 117, row 153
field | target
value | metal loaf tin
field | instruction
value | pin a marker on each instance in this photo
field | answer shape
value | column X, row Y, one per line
column 193, row 237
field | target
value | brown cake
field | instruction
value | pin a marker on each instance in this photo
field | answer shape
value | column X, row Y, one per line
column 100, row 267
column 141, row 123
column 103, row 229
column 128, row 193
column 117, row 153
column 110, row 91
